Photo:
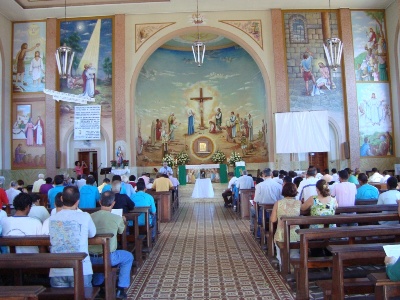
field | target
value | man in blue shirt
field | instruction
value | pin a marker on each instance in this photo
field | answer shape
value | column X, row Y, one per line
column 141, row 198
column 89, row 194
column 366, row 191
column 165, row 169
column 59, row 187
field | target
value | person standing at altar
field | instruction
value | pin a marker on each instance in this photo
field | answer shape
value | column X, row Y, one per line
column 190, row 122
column 165, row 169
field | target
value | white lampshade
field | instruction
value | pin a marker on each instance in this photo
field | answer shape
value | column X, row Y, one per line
column 199, row 49
column 64, row 59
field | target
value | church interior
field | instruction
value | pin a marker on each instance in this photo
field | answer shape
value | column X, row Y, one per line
column 201, row 85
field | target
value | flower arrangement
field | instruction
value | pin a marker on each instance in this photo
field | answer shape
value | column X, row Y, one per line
column 113, row 163
column 169, row 160
column 218, row 157
column 235, row 157
column 182, row 158
column 125, row 163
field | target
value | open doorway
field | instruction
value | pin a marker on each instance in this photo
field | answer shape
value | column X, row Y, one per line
column 90, row 158
column 318, row 160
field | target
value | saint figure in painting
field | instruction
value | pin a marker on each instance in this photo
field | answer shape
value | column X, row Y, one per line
column 29, row 132
column 19, row 154
column 20, row 60
column 39, row 127
column 36, row 68
column 190, row 122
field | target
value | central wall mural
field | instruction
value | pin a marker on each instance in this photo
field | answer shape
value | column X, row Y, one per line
column 199, row 110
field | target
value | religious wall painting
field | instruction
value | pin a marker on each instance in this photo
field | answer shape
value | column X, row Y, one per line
column 253, row 28
column 145, row 31
column 370, row 47
column 176, row 103
column 92, row 69
column 29, row 57
column 375, row 119
column 28, row 142
column 312, row 84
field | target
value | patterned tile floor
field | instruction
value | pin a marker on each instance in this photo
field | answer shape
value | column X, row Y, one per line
column 206, row 252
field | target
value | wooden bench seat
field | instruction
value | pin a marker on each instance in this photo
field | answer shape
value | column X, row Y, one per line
column 306, row 221
column 164, row 203
column 384, row 288
column 350, row 285
column 21, row 292
column 307, row 235
column 43, row 242
column 52, row 260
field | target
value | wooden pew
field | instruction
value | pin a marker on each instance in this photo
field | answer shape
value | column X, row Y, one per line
column 264, row 227
column 308, row 235
column 43, row 242
column 352, row 255
column 133, row 242
column 359, row 209
column 305, row 221
column 146, row 229
column 245, row 195
column 164, row 204
column 52, row 260
column 384, row 287
column 21, row 292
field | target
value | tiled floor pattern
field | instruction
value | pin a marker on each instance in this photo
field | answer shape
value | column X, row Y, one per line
column 206, row 252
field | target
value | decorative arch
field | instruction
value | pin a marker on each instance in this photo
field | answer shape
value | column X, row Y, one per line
column 246, row 45
column 69, row 157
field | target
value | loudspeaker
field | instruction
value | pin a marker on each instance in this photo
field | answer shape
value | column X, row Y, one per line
column 58, row 159
column 346, row 150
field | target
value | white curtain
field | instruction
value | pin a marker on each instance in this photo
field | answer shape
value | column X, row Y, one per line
column 299, row 132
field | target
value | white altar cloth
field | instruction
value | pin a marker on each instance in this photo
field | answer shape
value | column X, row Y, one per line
column 120, row 171
column 208, row 166
column 203, row 189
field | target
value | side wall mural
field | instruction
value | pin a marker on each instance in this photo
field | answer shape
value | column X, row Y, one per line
column 373, row 88
column 91, row 39
column 199, row 110
column 28, row 105
column 312, row 84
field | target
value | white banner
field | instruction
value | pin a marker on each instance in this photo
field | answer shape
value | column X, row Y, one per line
column 300, row 132
column 87, row 122
column 68, row 97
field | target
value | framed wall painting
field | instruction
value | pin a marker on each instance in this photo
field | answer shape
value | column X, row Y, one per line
column 29, row 56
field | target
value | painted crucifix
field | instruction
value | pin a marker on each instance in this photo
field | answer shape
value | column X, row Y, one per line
column 201, row 99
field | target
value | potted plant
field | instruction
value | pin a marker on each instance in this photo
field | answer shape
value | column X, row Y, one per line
column 218, row 157
column 182, row 158
column 169, row 160
column 235, row 157
column 113, row 163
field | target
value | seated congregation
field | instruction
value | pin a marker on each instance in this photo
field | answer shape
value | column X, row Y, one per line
column 319, row 226
column 115, row 226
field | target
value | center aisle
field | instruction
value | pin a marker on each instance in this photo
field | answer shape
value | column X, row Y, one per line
column 206, row 252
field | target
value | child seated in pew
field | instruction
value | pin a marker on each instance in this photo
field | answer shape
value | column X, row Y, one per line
column 289, row 206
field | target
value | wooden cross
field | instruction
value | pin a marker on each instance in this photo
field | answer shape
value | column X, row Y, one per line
column 201, row 99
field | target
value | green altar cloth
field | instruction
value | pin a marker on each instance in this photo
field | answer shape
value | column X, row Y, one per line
column 182, row 175
column 223, row 173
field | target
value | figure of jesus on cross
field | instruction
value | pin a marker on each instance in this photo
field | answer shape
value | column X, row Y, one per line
column 201, row 99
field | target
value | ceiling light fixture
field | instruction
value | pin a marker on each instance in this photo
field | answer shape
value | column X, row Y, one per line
column 333, row 48
column 198, row 47
column 64, row 55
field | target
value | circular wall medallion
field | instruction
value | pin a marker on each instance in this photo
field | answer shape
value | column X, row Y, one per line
column 202, row 147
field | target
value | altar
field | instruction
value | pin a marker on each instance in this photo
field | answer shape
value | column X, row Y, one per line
column 203, row 188
column 124, row 171
column 215, row 172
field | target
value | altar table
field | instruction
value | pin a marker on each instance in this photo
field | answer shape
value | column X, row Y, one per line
column 203, row 189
